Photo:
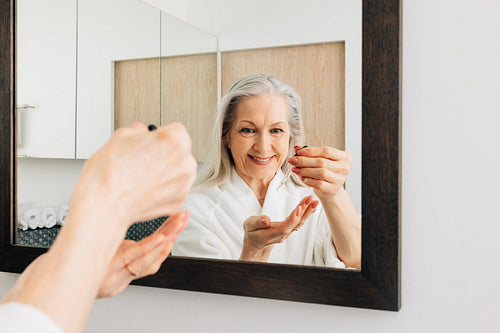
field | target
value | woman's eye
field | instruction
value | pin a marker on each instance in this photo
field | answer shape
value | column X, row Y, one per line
column 246, row 130
column 277, row 130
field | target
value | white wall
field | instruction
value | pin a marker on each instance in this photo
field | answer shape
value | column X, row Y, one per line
column 46, row 181
column 450, row 214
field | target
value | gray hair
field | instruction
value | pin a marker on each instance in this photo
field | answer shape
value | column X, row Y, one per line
column 217, row 167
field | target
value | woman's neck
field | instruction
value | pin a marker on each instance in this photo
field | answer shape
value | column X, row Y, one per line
column 258, row 186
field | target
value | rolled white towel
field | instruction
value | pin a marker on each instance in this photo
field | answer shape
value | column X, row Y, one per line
column 28, row 217
column 47, row 216
column 21, row 222
column 61, row 214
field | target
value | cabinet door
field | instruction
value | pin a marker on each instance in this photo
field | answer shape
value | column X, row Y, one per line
column 110, row 32
column 46, row 78
column 189, row 80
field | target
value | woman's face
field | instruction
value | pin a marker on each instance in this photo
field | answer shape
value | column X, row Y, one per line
column 259, row 137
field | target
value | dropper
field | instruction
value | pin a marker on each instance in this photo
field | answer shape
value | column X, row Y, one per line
column 289, row 172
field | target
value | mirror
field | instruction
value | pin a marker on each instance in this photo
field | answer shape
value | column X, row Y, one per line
column 167, row 70
column 379, row 278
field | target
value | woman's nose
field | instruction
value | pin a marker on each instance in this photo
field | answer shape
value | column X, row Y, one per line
column 263, row 142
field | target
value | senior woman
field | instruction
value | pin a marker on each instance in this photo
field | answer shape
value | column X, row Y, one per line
column 261, row 195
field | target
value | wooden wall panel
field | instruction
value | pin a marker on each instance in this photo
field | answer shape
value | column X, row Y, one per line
column 316, row 71
column 137, row 92
column 189, row 96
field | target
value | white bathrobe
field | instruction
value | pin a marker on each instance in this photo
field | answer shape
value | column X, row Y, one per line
column 215, row 228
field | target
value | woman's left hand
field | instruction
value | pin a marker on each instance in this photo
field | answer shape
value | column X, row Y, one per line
column 134, row 260
column 323, row 168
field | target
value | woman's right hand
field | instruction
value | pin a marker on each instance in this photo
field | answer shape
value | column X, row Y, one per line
column 261, row 234
column 144, row 174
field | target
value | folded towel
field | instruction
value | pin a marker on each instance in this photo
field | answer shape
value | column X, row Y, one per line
column 32, row 216
column 28, row 217
column 61, row 214
column 47, row 216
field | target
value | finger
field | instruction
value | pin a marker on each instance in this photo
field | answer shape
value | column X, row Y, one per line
column 139, row 249
column 325, row 151
column 293, row 219
column 174, row 223
column 302, row 206
column 322, row 174
column 319, row 185
column 307, row 206
column 305, row 201
column 308, row 212
column 254, row 223
column 151, row 261
column 313, row 162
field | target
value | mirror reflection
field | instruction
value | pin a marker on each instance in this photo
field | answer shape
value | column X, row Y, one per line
column 101, row 65
column 259, row 192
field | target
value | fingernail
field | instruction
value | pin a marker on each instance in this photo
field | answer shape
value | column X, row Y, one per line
column 160, row 239
column 315, row 204
column 303, row 152
column 293, row 160
column 184, row 224
column 302, row 178
column 309, row 199
column 185, row 221
column 299, row 210
column 296, row 171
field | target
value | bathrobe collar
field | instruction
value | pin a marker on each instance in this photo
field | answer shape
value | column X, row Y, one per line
column 246, row 196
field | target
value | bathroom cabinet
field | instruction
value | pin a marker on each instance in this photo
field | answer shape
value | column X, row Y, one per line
column 46, row 78
column 66, row 55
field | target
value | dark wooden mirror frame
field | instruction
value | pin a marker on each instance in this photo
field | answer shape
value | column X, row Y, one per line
column 376, row 286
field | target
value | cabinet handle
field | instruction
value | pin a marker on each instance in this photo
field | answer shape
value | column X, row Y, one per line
column 25, row 106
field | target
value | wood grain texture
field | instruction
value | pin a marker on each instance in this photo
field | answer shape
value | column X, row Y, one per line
column 137, row 92
column 285, row 282
column 381, row 147
column 316, row 71
column 376, row 286
column 189, row 96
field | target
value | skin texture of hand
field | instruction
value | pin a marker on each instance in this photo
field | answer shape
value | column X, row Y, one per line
column 135, row 260
column 137, row 176
column 325, row 170
column 261, row 234
column 159, row 172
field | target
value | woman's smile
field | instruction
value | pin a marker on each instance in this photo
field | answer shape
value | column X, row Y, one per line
column 261, row 160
